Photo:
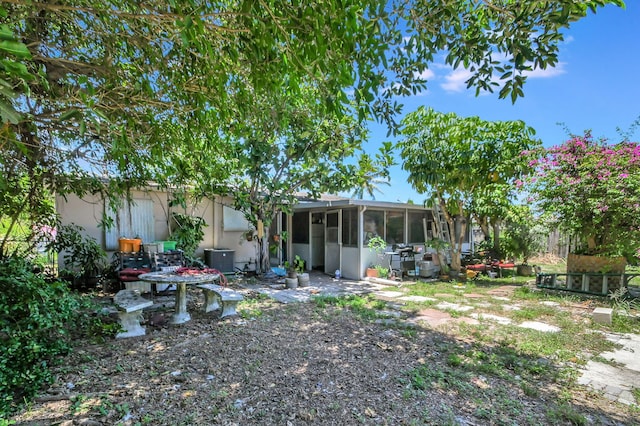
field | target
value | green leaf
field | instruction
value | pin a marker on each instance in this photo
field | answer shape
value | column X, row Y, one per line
column 15, row 48
column 8, row 113
column 6, row 33
column 67, row 115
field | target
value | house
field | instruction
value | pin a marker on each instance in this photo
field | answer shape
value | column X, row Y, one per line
column 329, row 234
column 148, row 217
column 333, row 234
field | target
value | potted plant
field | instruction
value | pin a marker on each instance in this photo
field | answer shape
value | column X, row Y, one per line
column 381, row 271
column 84, row 260
column 522, row 237
column 378, row 245
column 299, row 265
column 371, row 271
column 291, row 280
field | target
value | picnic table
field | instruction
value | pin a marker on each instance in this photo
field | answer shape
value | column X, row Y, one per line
column 181, row 280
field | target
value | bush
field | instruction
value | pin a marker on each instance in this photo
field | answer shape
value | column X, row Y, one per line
column 35, row 319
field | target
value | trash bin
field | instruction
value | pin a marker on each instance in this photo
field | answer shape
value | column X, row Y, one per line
column 220, row 259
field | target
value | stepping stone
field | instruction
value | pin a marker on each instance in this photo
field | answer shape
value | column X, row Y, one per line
column 540, row 326
column 417, row 299
column 496, row 318
column 389, row 294
column 445, row 295
column 505, row 290
column 504, row 299
column 474, row 295
column 454, row 307
column 549, row 303
column 433, row 317
column 465, row 320
column 510, row 307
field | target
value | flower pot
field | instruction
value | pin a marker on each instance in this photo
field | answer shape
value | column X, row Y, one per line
column 303, row 280
column 169, row 245
column 129, row 245
column 157, row 247
column 291, row 283
column 524, row 270
column 372, row 272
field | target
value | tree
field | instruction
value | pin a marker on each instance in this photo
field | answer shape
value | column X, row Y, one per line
column 271, row 164
column 370, row 171
column 93, row 88
column 525, row 234
column 458, row 159
column 592, row 190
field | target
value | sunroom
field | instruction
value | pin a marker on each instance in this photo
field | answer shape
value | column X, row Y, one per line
column 333, row 235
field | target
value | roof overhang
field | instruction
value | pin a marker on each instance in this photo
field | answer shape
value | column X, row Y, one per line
column 346, row 203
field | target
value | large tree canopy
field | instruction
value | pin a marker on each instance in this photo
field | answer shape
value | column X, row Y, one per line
column 107, row 88
column 461, row 161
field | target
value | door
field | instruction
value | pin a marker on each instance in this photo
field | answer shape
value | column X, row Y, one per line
column 317, row 240
column 332, row 242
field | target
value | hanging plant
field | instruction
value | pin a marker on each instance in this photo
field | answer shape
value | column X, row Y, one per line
column 188, row 232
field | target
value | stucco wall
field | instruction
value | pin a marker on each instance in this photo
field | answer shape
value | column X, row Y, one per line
column 88, row 211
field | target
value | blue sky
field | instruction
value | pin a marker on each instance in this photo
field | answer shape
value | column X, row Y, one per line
column 595, row 86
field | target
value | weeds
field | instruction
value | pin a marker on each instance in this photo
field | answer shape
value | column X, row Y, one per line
column 566, row 414
column 364, row 307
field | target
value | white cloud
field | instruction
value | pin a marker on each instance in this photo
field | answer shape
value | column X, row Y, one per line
column 548, row 72
column 425, row 75
column 455, row 80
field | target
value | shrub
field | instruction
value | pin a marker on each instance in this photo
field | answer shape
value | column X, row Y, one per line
column 35, row 319
column 593, row 190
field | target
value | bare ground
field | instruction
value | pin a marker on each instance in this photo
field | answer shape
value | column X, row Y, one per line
column 298, row 364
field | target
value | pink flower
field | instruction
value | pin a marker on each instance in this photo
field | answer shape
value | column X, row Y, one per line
column 624, row 175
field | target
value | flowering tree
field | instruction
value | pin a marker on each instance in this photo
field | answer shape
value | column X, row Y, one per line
column 593, row 190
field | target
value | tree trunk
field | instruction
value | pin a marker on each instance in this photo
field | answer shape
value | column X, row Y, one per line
column 263, row 252
column 483, row 223
column 496, row 237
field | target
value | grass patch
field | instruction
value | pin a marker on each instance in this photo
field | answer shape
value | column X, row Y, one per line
column 566, row 414
column 366, row 308
column 430, row 377
column 252, row 307
column 533, row 312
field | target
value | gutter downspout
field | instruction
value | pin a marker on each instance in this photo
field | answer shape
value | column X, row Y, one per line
column 361, row 240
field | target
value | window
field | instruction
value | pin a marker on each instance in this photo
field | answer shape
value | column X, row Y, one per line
column 416, row 230
column 350, row 227
column 395, row 228
column 373, row 224
column 300, row 225
column 131, row 220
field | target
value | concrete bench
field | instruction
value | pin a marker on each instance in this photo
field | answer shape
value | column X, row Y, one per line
column 215, row 295
column 130, row 305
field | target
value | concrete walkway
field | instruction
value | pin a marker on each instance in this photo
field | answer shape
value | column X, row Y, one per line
column 616, row 379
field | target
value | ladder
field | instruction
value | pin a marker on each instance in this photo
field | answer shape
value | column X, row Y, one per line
column 440, row 223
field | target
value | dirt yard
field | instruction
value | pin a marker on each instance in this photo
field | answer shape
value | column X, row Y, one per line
column 303, row 363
